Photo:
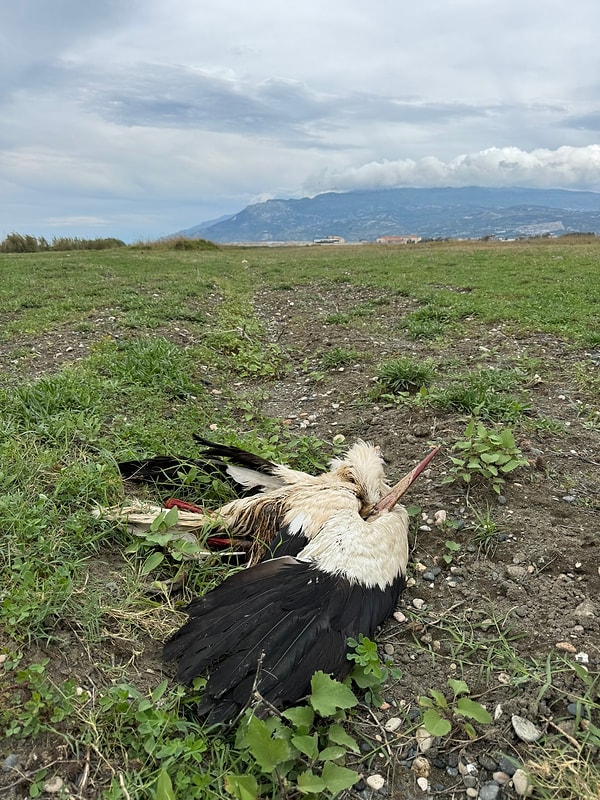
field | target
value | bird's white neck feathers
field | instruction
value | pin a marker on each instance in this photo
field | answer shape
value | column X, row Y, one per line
column 372, row 553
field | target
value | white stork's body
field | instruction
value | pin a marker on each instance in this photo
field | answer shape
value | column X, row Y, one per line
column 337, row 547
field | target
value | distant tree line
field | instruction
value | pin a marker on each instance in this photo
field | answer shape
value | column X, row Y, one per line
column 24, row 243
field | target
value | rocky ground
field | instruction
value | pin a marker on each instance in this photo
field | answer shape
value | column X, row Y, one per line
column 531, row 590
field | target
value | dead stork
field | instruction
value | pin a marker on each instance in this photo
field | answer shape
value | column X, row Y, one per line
column 334, row 550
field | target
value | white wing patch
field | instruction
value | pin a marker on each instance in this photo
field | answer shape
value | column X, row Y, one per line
column 250, row 479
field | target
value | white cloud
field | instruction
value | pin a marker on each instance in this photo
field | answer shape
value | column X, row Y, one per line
column 566, row 168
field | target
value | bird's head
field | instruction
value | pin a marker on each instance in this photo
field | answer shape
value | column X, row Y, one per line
column 363, row 466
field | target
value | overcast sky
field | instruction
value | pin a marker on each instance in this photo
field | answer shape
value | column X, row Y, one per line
column 137, row 119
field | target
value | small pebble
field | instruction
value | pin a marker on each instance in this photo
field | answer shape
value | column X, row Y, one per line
column 506, row 765
column 487, row 762
column 471, row 792
column 501, row 777
column 418, row 603
column 420, row 766
column 393, row 724
column 569, row 498
column 521, row 783
column 10, row 762
column 489, row 791
column 470, row 781
column 424, row 739
column 423, row 784
column 566, row 647
column 440, row 517
column 428, row 576
column 376, row 782
column 525, row 730
column 399, row 616
column 53, row 785
column 452, row 771
column 388, row 649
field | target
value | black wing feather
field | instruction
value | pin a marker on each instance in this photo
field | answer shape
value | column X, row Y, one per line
column 214, row 461
column 284, row 615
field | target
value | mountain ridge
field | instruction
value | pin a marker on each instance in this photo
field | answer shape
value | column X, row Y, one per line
column 431, row 213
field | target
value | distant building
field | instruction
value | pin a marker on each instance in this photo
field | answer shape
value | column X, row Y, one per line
column 412, row 239
column 329, row 240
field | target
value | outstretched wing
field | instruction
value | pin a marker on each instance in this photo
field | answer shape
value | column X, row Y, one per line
column 246, row 472
column 269, row 628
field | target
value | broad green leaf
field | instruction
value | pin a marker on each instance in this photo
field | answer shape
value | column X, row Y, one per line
column 436, row 725
column 309, row 745
column 337, row 735
column 508, row 440
column 331, row 753
column 300, row 717
column 164, row 787
column 458, row 687
column 452, row 545
column 328, row 696
column 425, row 702
column 338, row 778
column 439, row 698
column 491, row 458
column 267, row 751
column 309, row 783
column 152, row 562
column 469, row 708
column 171, row 517
column 510, row 465
column 242, row 787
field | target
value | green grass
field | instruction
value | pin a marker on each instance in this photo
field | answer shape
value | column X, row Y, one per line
column 171, row 345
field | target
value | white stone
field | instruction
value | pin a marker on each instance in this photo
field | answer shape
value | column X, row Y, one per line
column 424, row 739
column 53, row 785
column 418, row 603
column 399, row 616
column 440, row 517
column 471, row 792
column 521, row 783
column 423, row 784
column 525, row 730
column 420, row 766
column 376, row 782
column 393, row 724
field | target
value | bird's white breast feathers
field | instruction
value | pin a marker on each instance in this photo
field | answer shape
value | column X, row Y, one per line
column 372, row 553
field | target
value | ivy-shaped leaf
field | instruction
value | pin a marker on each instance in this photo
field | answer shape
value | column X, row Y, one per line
column 309, row 745
column 328, row 696
column 267, row 751
column 309, row 783
column 242, row 787
column 332, row 753
column 301, row 717
column 337, row 735
column 338, row 778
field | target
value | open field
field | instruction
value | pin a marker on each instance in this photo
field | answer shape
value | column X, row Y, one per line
column 111, row 355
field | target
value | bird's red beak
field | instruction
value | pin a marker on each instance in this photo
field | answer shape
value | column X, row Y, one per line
column 391, row 498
